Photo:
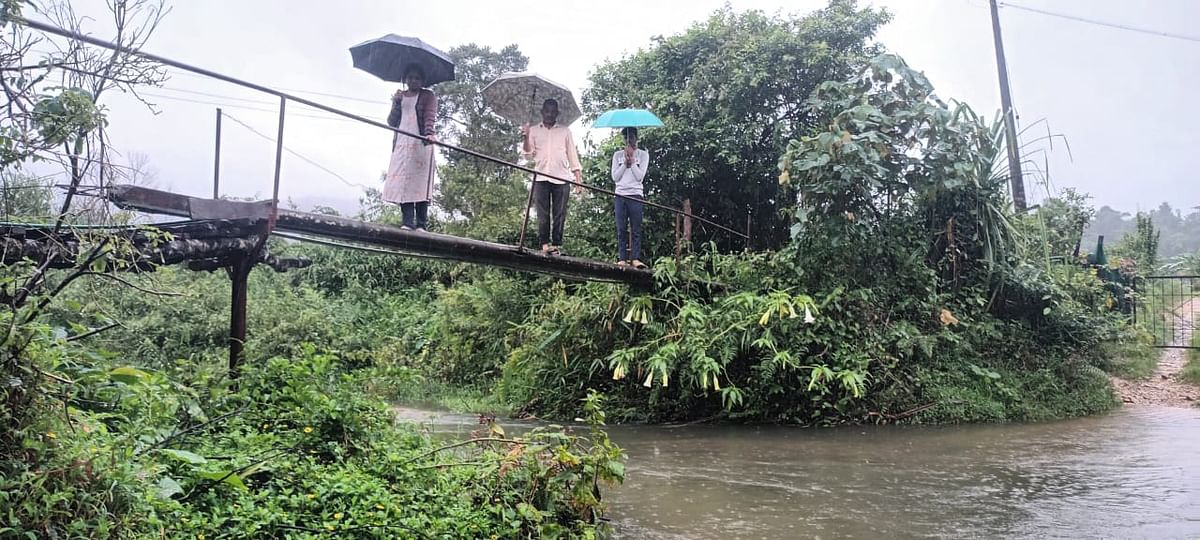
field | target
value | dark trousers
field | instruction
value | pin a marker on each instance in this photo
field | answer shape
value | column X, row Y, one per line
column 550, row 202
column 629, row 228
column 415, row 214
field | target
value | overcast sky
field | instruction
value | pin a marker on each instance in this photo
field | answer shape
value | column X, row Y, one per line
column 1122, row 99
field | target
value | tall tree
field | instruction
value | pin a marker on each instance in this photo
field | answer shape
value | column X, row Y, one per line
column 731, row 91
column 1141, row 244
column 54, row 105
column 25, row 196
column 481, row 200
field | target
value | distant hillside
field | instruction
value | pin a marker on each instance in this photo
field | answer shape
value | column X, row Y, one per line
column 1180, row 232
column 345, row 206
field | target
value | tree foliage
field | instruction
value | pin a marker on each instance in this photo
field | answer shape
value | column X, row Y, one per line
column 731, row 91
column 1180, row 231
column 905, row 288
column 892, row 168
column 481, row 199
column 1141, row 244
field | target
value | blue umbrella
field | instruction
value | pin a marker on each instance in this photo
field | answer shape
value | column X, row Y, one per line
column 389, row 56
column 620, row 118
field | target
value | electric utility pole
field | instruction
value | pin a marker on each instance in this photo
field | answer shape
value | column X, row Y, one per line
column 1010, row 118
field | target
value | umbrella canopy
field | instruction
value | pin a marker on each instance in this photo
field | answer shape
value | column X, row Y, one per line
column 388, row 57
column 518, row 97
column 621, row 118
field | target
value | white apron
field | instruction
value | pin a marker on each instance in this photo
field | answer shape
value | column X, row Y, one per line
column 410, row 173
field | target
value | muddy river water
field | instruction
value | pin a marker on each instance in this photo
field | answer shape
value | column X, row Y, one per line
column 1134, row 473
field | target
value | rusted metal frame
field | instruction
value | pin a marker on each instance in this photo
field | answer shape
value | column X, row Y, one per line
column 239, row 270
column 528, row 204
column 217, row 158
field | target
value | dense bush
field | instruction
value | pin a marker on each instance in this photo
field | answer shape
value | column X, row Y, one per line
column 296, row 450
column 907, row 287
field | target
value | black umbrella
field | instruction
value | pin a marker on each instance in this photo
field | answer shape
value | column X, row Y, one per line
column 388, row 57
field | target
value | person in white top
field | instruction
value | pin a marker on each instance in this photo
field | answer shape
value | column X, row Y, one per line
column 553, row 152
column 628, row 170
column 410, row 175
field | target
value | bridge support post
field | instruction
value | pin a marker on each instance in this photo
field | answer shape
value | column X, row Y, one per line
column 239, row 274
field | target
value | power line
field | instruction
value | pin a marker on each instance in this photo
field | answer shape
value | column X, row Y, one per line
column 102, row 162
column 175, row 71
column 297, row 90
column 1102, row 23
column 249, row 100
column 295, row 153
column 244, row 107
column 218, row 96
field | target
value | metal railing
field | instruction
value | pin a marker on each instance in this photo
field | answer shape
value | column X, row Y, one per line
column 285, row 97
column 1167, row 306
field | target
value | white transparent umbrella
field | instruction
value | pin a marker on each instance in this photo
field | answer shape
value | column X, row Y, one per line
column 517, row 97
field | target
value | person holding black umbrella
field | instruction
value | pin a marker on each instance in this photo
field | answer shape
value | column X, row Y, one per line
column 409, row 180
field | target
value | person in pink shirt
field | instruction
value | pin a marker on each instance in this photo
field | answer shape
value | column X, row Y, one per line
column 553, row 152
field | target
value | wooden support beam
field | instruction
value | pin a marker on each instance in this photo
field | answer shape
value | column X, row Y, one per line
column 459, row 249
column 64, row 253
column 422, row 243
column 239, row 275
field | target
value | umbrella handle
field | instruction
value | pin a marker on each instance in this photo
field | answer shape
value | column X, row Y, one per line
column 533, row 103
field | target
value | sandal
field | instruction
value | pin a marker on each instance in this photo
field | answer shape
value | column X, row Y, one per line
column 622, row 263
column 638, row 264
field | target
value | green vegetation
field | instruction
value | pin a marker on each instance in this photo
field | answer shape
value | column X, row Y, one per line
column 1180, row 233
column 1141, row 244
column 731, row 90
column 1191, row 371
column 296, row 449
column 1130, row 355
column 890, row 282
column 917, row 290
column 118, row 420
